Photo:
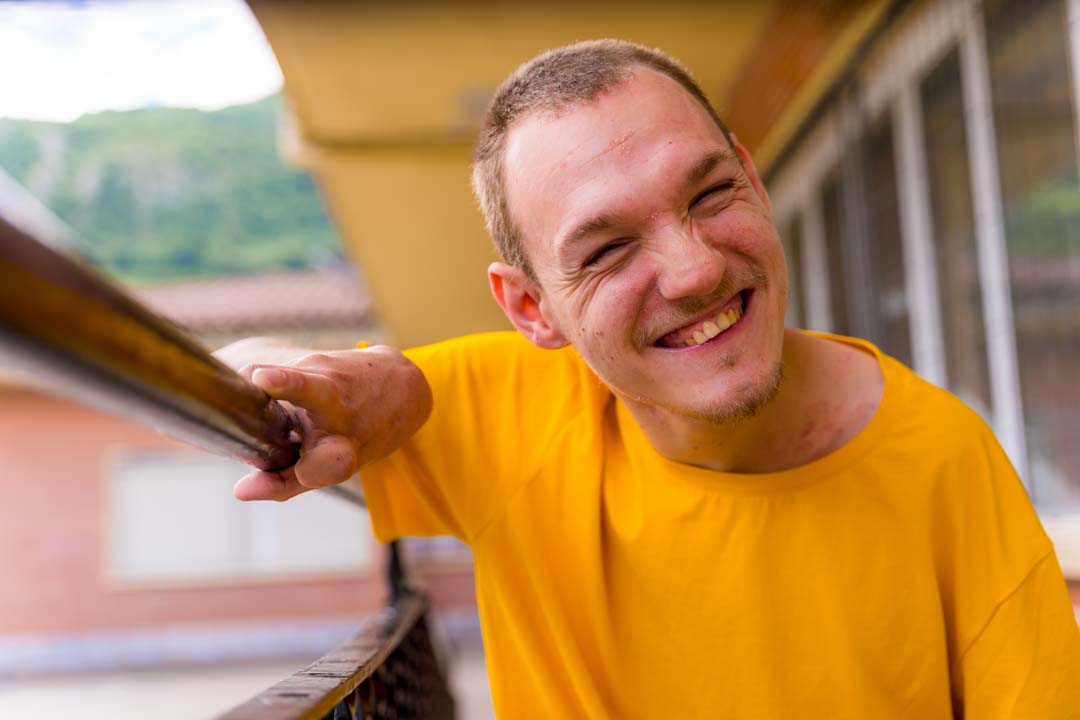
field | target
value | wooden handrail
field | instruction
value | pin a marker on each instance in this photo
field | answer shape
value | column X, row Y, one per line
column 66, row 327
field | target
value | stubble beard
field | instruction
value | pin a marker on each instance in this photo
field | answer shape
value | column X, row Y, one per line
column 750, row 403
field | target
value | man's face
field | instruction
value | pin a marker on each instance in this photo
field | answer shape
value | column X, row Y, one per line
column 647, row 235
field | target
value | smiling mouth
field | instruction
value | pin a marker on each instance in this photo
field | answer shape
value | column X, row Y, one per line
column 703, row 331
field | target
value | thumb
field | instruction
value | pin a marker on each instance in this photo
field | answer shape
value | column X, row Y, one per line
column 331, row 460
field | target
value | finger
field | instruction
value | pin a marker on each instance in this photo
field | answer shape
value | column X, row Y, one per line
column 247, row 370
column 329, row 461
column 260, row 485
column 306, row 389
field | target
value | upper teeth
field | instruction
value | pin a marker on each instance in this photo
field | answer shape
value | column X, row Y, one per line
column 714, row 326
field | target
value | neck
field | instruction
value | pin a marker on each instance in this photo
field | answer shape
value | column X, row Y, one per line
column 806, row 418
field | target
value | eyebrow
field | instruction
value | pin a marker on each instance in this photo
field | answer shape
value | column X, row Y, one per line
column 605, row 221
column 595, row 224
column 706, row 165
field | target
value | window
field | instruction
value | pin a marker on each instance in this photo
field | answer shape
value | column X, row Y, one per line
column 792, row 239
column 172, row 518
column 1028, row 52
column 890, row 315
column 984, row 98
column 959, row 287
column 835, row 250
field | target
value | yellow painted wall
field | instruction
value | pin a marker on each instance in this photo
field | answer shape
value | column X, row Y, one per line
column 402, row 71
column 412, row 226
column 388, row 96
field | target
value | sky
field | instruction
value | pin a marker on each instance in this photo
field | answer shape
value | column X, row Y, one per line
column 60, row 60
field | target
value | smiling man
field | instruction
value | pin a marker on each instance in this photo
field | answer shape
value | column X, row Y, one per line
column 678, row 507
column 646, row 242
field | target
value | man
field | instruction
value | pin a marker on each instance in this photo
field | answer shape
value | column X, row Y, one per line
column 677, row 507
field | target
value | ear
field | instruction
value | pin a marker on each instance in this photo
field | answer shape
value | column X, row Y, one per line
column 751, row 172
column 521, row 299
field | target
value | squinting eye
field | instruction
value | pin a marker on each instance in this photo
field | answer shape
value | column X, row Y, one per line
column 715, row 190
column 599, row 254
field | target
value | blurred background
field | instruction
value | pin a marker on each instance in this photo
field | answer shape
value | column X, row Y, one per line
column 301, row 170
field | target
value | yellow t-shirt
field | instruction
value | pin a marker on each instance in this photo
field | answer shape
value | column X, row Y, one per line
column 905, row 575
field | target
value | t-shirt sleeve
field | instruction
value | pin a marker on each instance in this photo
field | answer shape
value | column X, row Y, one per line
column 1012, row 636
column 1025, row 663
column 498, row 402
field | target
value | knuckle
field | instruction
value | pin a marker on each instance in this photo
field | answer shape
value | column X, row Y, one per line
column 338, row 377
column 315, row 360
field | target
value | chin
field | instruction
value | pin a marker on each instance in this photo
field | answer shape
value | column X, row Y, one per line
column 744, row 403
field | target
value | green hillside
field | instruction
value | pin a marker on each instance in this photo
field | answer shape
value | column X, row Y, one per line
column 161, row 194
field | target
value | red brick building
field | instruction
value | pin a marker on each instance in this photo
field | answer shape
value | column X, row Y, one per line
column 121, row 548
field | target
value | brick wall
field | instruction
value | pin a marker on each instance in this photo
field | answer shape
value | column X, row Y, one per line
column 53, row 525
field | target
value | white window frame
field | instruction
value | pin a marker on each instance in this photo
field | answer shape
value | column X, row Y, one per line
column 993, row 260
column 889, row 82
column 798, row 199
column 916, row 231
column 1073, row 38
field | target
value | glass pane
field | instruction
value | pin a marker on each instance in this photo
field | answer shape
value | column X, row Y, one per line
column 954, row 236
column 890, row 304
column 791, row 235
column 1036, row 140
column 834, row 248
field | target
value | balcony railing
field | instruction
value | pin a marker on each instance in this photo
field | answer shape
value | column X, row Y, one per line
column 388, row 670
column 67, row 329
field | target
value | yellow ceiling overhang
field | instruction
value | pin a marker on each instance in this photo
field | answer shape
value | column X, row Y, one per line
column 387, row 98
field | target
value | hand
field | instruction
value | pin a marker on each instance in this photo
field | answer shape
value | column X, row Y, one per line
column 351, row 408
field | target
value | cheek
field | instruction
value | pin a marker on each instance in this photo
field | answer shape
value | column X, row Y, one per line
column 749, row 235
column 610, row 315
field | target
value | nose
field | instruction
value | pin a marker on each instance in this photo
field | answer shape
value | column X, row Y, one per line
column 689, row 266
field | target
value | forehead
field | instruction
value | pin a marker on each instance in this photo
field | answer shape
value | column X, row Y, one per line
column 627, row 147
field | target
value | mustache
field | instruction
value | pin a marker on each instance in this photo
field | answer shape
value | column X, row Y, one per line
column 684, row 310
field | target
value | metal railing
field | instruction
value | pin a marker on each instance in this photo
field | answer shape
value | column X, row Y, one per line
column 388, row 670
column 67, row 329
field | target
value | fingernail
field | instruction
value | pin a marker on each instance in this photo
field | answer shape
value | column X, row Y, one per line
column 268, row 379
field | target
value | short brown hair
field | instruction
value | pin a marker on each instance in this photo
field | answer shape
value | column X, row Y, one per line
column 550, row 82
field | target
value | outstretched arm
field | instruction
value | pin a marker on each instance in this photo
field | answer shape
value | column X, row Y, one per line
column 352, row 407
